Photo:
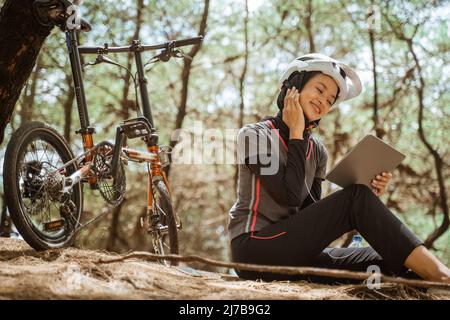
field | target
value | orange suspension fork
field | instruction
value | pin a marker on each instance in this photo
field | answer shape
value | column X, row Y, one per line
column 88, row 143
column 155, row 170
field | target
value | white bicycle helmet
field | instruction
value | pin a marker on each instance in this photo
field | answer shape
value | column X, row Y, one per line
column 346, row 78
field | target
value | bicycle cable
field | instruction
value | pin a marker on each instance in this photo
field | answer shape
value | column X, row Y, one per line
column 138, row 109
column 136, row 85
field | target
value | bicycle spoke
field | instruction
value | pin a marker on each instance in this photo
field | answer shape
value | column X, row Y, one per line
column 161, row 210
column 42, row 155
column 164, row 243
column 39, row 159
column 33, row 151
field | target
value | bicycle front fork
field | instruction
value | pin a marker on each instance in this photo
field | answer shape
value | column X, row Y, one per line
column 156, row 157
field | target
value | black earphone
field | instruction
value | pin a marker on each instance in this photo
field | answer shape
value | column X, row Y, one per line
column 312, row 124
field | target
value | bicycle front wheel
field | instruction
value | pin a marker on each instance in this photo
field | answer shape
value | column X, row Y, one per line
column 165, row 234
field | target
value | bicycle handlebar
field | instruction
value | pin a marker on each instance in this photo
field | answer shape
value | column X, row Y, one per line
column 132, row 48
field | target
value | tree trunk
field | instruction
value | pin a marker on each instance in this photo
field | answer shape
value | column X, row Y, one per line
column 126, row 104
column 185, row 78
column 114, row 228
column 20, row 44
column 378, row 130
column 439, row 163
column 308, row 25
column 241, row 82
column 26, row 112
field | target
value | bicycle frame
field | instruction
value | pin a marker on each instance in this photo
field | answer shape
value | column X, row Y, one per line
column 86, row 131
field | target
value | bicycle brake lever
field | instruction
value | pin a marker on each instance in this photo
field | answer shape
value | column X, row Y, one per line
column 177, row 53
column 99, row 60
column 88, row 64
column 102, row 59
column 108, row 60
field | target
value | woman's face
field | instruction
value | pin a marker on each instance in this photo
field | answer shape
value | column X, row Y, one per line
column 317, row 96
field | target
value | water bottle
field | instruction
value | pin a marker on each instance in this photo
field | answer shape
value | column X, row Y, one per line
column 356, row 241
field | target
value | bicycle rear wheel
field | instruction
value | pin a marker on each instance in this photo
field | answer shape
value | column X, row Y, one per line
column 32, row 195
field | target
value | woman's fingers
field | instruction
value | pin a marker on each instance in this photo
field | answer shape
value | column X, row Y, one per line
column 384, row 177
column 291, row 98
column 387, row 174
column 378, row 191
column 380, row 182
column 288, row 98
column 381, row 185
column 293, row 112
column 296, row 100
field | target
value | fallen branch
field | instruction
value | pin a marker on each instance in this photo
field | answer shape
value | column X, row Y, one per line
column 341, row 274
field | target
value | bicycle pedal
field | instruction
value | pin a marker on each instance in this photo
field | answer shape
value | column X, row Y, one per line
column 54, row 225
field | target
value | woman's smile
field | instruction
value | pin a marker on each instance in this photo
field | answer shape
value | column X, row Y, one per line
column 316, row 108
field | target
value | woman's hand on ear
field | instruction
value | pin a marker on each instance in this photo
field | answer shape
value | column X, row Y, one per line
column 293, row 114
column 380, row 182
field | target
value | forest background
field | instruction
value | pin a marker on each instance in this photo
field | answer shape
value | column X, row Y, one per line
column 399, row 48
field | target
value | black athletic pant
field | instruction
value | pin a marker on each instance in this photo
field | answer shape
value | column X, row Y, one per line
column 311, row 230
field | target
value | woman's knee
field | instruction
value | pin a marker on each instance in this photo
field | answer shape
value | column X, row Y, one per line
column 359, row 188
column 359, row 194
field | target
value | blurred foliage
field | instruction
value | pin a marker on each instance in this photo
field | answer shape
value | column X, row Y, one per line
column 203, row 194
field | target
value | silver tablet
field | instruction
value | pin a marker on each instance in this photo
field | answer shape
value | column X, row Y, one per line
column 367, row 158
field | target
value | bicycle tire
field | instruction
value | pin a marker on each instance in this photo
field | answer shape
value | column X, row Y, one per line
column 163, row 200
column 28, row 133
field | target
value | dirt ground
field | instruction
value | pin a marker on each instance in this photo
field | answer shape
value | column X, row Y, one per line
column 75, row 274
